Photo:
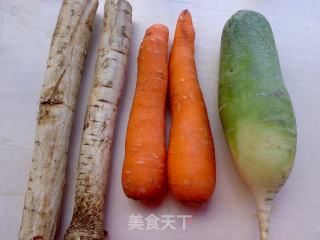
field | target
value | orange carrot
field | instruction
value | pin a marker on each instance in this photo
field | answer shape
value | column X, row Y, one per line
column 144, row 167
column 191, row 159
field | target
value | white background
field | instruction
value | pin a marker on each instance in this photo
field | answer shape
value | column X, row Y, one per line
column 25, row 35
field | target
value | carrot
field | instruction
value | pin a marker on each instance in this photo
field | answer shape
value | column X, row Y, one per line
column 191, row 159
column 144, row 167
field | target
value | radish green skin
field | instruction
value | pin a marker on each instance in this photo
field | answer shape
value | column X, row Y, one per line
column 255, row 108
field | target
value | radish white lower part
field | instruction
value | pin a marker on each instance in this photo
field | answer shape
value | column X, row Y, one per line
column 264, row 206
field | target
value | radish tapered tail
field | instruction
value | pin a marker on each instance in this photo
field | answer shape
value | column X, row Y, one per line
column 143, row 173
column 263, row 212
column 255, row 109
column 55, row 116
column 191, row 159
column 95, row 153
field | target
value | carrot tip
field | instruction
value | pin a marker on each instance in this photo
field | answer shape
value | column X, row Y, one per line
column 184, row 29
column 159, row 29
column 185, row 14
column 186, row 11
column 185, row 17
column 159, row 26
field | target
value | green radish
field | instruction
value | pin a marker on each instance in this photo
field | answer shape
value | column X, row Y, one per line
column 255, row 109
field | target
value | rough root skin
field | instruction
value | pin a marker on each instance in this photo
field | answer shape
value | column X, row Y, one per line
column 57, row 103
column 93, row 166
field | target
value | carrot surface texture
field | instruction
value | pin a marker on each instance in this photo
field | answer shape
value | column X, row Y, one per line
column 144, row 167
column 191, row 159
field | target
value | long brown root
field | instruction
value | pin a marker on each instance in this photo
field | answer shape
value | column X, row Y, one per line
column 95, row 154
column 57, row 104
